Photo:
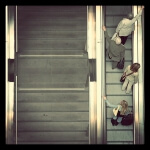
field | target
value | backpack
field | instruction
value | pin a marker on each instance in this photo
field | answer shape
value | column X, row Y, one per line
column 127, row 120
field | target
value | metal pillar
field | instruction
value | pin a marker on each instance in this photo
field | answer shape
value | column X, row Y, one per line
column 138, row 89
column 10, row 53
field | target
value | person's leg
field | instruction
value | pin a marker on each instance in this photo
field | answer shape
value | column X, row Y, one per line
column 123, row 39
column 119, row 119
column 114, row 117
column 114, row 121
column 129, row 87
column 125, row 84
column 114, row 64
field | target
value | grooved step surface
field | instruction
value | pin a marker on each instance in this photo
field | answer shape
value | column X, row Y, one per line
column 55, row 136
column 120, row 143
column 54, row 72
column 118, row 10
column 53, row 107
column 57, row 26
column 115, row 90
column 52, row 15
column 53, row 116
column 55, row 142
column 53, row 53
column 67, row 96
column 51, row 44
column 27, row 34
column 63, row 8
column 52, row 126
column 120, row 135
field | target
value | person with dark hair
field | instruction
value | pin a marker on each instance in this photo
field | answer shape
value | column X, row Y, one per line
column 116, row 50
column 126, row 26
column 132, row 78
column 120, row 110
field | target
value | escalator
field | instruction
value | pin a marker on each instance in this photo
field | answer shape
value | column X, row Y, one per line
column 117, row 134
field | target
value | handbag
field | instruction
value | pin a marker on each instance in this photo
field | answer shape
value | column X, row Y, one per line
column 123, row 77
column 115, row 110
column 127, row 120
column 114, row 36
column 120, row 64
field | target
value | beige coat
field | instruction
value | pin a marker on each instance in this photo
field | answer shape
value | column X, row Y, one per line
column 133, row 77
column 126, row 26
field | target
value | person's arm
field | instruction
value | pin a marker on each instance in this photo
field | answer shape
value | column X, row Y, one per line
column 106, row 34
column 137, row 16
column 108, row 103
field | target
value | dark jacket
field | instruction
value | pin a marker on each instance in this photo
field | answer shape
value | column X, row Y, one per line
column 115, row 51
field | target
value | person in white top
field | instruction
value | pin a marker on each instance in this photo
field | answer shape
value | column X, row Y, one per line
column 131, row 79
column 126, row 26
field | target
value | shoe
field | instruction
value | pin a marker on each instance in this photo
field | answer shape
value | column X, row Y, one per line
column 116, row 123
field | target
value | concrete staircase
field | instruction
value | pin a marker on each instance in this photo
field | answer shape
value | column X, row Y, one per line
column 53, row 102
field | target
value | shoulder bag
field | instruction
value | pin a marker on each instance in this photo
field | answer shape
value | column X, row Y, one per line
column 123, row 77
column 115, row 110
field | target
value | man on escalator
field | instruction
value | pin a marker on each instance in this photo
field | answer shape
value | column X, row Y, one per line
column 116, row 50
column 126, row 26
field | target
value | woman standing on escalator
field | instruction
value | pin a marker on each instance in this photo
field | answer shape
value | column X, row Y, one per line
column 120, row 110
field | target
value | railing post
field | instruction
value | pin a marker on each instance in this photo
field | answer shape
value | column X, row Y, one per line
column 91, row 48
column 10, row 54
column 100, row 74
column 138, row 89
